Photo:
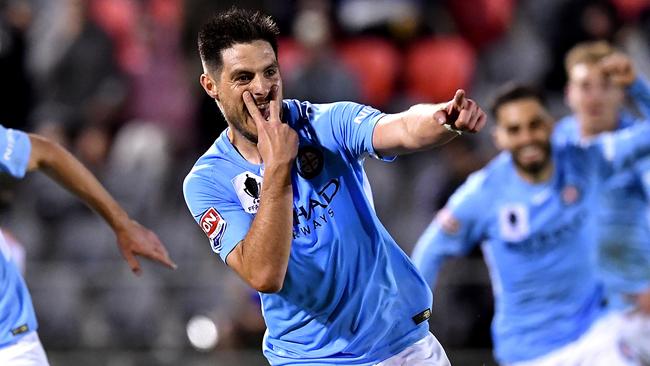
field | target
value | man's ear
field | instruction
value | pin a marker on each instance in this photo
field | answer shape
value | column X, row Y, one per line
column 496, row 138
column 209, row 85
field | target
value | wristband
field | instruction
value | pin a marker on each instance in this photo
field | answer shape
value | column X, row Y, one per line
column 451, row 128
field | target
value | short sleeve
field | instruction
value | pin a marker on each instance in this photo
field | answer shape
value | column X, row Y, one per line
column 15, row 147
column 352, row 126
column 640, row 93
column 621, row 149
column 217, row 211
column 642, row 167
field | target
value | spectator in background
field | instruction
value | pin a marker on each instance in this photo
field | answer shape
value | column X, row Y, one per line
column 577, row 21
column 321, row 77
column 595, row 94
column 81, row 91
column 75, row 67
column 396, row 19
column 15, row 88
column 148, row 38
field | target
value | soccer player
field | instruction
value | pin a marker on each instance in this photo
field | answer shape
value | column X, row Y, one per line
column 284, row 201
column 598, row 79
column 22, row 152
column 533, row 210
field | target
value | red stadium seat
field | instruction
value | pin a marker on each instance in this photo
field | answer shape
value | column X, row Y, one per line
column 376, row 62
column 630, row 10
column 436, row 67
column 482, row 21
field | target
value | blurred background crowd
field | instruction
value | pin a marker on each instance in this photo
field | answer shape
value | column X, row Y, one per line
column 116, row 82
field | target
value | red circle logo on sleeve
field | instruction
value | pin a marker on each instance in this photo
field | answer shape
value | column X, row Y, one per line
column 214, row 226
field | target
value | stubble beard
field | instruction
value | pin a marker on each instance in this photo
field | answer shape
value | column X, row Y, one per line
column 247, row 134
column 238, row 125
column 535, row 169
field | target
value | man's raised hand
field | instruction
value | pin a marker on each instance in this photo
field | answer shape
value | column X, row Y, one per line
column 462, row 114
column 277, row 142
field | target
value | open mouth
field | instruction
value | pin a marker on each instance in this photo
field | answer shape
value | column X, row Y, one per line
column 531, row 153
column 264, row 110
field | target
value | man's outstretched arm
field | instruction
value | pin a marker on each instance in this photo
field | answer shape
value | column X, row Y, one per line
column 132, row 238
column 424, row 126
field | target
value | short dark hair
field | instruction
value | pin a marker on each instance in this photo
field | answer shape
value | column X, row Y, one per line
column 231, row 27
column 512, row 92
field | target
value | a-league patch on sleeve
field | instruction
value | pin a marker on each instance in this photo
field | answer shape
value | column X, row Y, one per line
column 214, row 226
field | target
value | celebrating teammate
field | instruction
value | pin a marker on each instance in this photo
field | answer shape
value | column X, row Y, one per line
column 284, row 201
column 21, row 152
column 598, row 77
column 533, row 209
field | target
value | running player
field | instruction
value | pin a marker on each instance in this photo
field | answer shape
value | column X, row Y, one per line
column 598, row 79
column 533, row 210
column 284, row 200
column 22, row 152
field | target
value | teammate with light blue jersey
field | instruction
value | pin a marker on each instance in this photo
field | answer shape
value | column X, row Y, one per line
column 532, row 210
column 624, row 229
column 598, row 79
column 284, row 200
column 19, row 343
column 17, row 313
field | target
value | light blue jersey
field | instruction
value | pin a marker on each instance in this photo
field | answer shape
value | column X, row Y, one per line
column 350, row 296
column 17, row 316
column 623, row 226
column 538, row 241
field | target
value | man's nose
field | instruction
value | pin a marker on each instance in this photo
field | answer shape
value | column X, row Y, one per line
column 525, row 136
column 260, row 87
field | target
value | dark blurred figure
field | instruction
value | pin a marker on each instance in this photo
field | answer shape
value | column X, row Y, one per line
column 398, row 20
column 321, row 77
column 15, row 88
column 81, row 76
column 577, row 21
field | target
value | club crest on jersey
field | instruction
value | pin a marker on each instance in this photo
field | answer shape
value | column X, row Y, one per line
column 309, row 161
column 214, row 226
column 513, row 222
column 248, row 187
column 570, row 195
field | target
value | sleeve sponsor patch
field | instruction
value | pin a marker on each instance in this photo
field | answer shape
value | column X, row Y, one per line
column 447, row 221
column 214, row 226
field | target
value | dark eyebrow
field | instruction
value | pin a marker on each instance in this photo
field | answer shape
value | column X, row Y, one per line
column 237, row 72
column 274, row 64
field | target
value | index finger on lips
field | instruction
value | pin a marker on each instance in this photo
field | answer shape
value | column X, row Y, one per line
column 249, row 102
column 274, row 104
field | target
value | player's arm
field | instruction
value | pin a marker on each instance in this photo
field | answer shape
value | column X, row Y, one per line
column 261, row 259
column 454, row 231
column 643, row 302
column 620, row 68
column 430, row 251
column 622, row 149
column 132, row 238
column 423, row 125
